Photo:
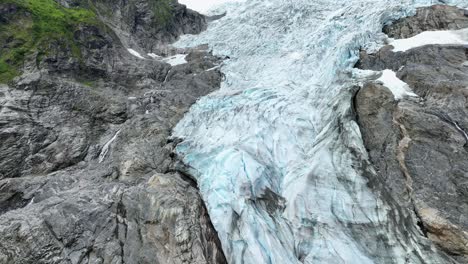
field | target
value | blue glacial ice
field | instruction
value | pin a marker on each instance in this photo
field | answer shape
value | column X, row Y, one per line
column 276, row 153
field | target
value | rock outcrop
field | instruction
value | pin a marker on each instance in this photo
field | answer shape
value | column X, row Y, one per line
column 419, row 145
column 437, row 17
column 87, row 171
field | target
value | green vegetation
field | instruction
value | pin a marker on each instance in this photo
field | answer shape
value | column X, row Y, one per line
column 6, row 72
column 162, row 11
column 38, row 24
column 88, row 83
column 42, row 27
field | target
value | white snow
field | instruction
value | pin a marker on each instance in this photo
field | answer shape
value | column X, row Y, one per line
column 154, row 56
column 203, row 6
column 451, row 37
column 105, row 149
column 135, row 53
column 176, row 59
column 214, row 68
column 399, row 88
column 461, row 130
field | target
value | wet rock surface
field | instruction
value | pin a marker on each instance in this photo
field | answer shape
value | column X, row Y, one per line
column 419, row 145
column 87, row 170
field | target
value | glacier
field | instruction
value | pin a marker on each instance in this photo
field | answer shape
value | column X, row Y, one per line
column 276, row 153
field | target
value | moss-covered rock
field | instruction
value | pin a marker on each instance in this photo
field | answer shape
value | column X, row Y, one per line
column 76, row 36
column 31, row 26
column 163, row 11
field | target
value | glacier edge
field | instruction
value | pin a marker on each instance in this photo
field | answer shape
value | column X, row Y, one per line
column 277, row 155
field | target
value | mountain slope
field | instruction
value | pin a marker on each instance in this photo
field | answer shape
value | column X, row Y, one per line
column 419, row 145
column 87, row 173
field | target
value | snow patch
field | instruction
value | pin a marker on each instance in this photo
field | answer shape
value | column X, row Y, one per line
column 154, row 56
column 105, row 149
column 203, row 6
column 176, row 59
column 214, row 68
column 135, row 53
column 461, row 130
column 451, row 37
column 399, row 88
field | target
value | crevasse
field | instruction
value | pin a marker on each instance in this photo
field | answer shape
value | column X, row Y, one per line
column 277, row 155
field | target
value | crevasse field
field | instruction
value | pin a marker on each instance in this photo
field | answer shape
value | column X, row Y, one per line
column 277, row 155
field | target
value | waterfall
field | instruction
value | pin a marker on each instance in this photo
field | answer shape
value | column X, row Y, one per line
column 276, row 152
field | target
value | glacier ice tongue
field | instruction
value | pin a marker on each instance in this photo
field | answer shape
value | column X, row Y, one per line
column 277, row 155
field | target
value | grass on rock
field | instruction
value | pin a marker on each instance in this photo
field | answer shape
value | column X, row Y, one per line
column 36, row 25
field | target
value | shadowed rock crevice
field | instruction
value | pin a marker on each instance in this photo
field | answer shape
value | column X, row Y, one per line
column 12, row 202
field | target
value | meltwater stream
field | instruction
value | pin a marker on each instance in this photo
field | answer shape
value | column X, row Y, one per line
column 278, row 158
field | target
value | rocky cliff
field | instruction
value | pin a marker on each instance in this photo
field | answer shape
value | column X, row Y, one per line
column 91, row 90
column 87, row 172
column 419, row 145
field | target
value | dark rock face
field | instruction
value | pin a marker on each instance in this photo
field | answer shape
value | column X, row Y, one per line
column 161, row 220
column 419, row 145
column 437, row 17
column 87, row 172
column 137, row 21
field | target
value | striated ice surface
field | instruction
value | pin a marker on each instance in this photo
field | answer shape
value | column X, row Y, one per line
column 276, row 153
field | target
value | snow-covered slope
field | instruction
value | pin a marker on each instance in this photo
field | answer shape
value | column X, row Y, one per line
column 449, row 37
column 205, row 6
column 277, row 156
